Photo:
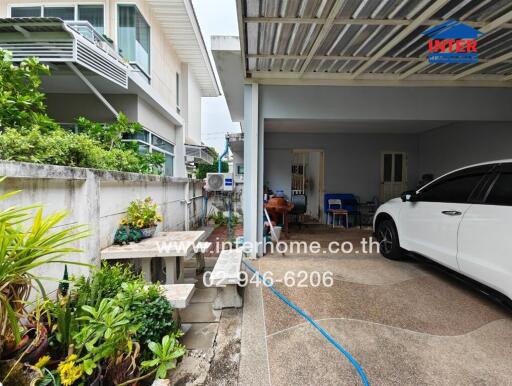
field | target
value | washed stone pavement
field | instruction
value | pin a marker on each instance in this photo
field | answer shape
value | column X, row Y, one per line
column 405, row 323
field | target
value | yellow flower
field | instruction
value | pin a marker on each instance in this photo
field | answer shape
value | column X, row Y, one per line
column 159, row 218
column 43, row 361
column 68, row 371
column 140, row 223
column 124, row 222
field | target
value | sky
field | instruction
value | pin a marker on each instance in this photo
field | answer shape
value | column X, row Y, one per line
column 216, row 17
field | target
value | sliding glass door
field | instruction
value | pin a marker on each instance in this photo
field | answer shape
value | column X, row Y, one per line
column 134, row 37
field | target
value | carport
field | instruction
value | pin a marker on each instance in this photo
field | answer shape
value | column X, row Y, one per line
column 350, row 80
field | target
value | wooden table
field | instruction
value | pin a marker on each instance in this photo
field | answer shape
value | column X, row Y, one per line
column 282, row 210
column 173, row 247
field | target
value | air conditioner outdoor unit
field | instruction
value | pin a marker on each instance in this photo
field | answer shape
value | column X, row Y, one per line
column 219, row 182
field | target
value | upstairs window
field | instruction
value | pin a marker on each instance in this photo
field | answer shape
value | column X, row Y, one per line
column 64, row 13
column 94, row 14
column 134, row 37
column 26, row 12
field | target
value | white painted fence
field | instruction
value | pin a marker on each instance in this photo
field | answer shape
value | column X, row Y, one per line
column 99, row 199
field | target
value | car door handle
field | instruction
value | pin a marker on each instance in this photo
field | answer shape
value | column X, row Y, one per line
column 451, row 212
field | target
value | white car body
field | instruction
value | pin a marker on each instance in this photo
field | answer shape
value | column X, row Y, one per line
column 472, row 237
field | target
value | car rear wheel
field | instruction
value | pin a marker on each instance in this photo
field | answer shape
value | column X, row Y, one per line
column 387, row 236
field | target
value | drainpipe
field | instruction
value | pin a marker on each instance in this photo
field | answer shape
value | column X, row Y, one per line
column 230, row 198
column 187, row 203
column 219, row 162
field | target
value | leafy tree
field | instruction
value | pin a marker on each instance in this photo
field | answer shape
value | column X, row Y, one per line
column 22, row 104
column 202, row 169
column 28, row 134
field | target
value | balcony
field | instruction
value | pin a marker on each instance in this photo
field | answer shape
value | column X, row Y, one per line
column 200, row 154
column 55, row 41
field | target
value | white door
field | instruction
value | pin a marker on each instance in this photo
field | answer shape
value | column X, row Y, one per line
column 429, row 225
column 485, row 250
column 393, row 172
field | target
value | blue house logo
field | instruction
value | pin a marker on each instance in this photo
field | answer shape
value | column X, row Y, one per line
column 452, row 42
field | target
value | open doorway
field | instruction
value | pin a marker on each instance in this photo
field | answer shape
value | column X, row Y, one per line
column 308, row 181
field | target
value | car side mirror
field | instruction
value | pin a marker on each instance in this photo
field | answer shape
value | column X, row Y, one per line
column 409, row 195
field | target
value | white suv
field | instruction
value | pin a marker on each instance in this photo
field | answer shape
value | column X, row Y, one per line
column 462, row 220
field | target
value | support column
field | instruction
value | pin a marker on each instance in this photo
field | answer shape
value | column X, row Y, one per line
column 88, row 202
column 251, row 196
column 179, row 153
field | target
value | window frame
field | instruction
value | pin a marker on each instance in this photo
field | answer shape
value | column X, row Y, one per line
column 146, row 75
column 471, row 198
column 178, row 92
column 494, row 180
column 61, row 5
column 153, row 147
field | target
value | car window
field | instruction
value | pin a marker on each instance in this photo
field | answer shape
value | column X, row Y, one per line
column 455, row 187
column 501, row 193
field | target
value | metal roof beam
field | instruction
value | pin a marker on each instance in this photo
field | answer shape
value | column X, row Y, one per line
column 342, row 57
column 323, row 33
column 402, row 22
column 499, row 22
column 416, row 22
column 483, row 66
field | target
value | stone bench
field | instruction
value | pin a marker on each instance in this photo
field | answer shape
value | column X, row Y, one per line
column 179, row 295
column 226, row 277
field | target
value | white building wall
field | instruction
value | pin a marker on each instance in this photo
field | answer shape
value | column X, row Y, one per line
column 155, row 122
column 194, row 111
column 66, row 108
column 352, row 161
column 98, row 199
column 461, row 144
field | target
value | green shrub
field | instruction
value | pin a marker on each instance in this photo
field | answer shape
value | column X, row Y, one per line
column 219, row 219
column 105, row 282
column 22, row 104
column 147, row 307
column 150, row 310
column 202, row 169
column 28, row 134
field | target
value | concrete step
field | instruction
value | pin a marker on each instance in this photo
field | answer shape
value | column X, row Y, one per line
column 190, row 272
column 190, row 280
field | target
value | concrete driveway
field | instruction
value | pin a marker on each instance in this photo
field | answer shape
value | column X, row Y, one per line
column 405, row 323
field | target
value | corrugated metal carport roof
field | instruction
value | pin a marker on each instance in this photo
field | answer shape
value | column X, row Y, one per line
column 370, row 41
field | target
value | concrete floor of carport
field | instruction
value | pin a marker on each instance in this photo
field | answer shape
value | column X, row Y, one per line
column 404, row 322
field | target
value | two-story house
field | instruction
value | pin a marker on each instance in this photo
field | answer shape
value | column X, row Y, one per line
column 146, row 59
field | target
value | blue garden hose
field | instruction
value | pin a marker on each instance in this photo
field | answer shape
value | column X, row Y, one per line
column 302, row 313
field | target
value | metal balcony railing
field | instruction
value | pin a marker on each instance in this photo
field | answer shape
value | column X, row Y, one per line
column 55, row 41
column 199, row 154
column 87, row 30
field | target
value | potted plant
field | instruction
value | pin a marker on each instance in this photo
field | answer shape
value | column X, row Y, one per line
column 142, row 215
column 29, row 240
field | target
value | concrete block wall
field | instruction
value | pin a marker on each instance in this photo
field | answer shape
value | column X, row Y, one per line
column 98, row 199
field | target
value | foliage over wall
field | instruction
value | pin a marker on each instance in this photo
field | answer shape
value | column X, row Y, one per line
column 202, row 169
column 28, row 134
